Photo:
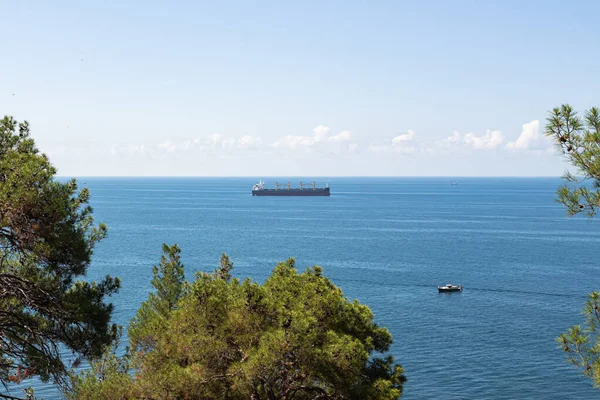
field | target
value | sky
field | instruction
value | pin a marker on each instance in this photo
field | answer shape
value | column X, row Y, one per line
column 304, row 88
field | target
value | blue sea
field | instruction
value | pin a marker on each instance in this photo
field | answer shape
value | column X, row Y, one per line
column 524, row 266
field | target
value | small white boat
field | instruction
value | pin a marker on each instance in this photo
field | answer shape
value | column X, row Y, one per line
column 449, row 288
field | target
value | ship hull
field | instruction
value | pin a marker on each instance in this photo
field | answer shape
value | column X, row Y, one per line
column 292, row 192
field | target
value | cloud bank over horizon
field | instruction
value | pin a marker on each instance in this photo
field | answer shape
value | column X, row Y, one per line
column 323, row 141
column 320, row 152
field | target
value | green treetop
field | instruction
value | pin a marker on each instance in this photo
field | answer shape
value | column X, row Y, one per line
column 579, row 140
column 294, row 337
column 582, row 344
column 47, row 235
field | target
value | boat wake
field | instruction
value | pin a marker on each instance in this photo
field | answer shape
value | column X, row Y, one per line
column 525, row 292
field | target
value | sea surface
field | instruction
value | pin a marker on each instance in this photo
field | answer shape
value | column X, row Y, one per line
column 524, row 266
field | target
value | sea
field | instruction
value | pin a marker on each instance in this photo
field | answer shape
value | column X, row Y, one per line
column 525, row 267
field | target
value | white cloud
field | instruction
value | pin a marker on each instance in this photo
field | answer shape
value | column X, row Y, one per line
column 490, row 140
column 403, row 138
column 168, row 146
column 323, row 141
column 321, row 132
column 341, row 137
column 294, row 142
column 453, row 140
column 530, row 138
column 219, row 141
column 402, row 143
column 247, row 141
column 214, row 142
column 319, row 139
column 128, row 149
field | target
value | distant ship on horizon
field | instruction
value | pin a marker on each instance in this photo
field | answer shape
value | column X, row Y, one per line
column 286, row 190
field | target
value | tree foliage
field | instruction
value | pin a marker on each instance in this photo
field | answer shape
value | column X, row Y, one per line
column 582, row 344
column 294, row 337
column 47, row 236
column 579, row 140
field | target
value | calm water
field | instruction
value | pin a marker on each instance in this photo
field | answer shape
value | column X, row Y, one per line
column 388, row 242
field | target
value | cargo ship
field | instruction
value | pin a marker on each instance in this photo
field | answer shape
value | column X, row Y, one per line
column 286, row 190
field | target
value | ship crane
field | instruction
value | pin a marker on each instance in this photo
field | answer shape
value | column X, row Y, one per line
column 277, row 186
column 286, row 190
column 314, row 185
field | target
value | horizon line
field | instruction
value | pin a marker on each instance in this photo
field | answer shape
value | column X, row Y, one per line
column 313, row 176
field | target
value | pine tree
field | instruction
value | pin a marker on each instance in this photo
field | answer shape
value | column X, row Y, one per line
column 294, row 337
column 47, row 237
column 579, row 140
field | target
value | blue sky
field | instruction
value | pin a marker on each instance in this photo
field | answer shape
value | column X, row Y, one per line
column 297, row 88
